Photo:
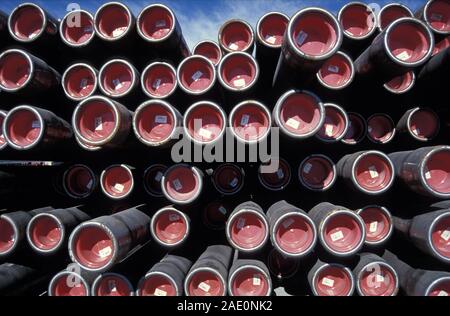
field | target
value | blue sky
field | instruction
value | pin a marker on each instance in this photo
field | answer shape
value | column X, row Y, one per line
column 201, row 19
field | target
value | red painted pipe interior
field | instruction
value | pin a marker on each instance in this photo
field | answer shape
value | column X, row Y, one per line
column 342, row 233
column 157, row 284
column 391, row 14
column 377, row 223
column 182, row 183
column 247, row 230
column 271, row 29
column 210, row 51
column 156, row 23
column 294, row 234
column 378, row 280
column 317, row 172
column 334, row 124
column 196, row 74
column 27, row 22
column 355, row 130
column 380, row 128
column 408, row 42
column 45, row 232
column 228, row 178
column 205, row 283
column 238, row 71
column 15, row 69
column 117, row 78
column 279, row 178
column 357, row 20
column 7, row 235
column 438, row 174
column 61, row 286
column 250, row 122
column 92, row 247
column 153, row 178
column 112, row 21
column 236, row 36
column 440, row 236
column 440, row 288
column 441, row 46
column 281, row 266
column 155, row 123
column 170, row 227
column 315, row 33
column 78, row 33
column 373, row 172
column 79, row 181
column 23, row 127
column 336, row 72
column 160, row 80
column 401, row 83
column 216, row 213
column 2, row 137
column 205, row 123
column 112, row 285
column 249, row 282
column 117, row 181
column 96, row 120
column 438, row 14
column 333, row 281
column 424, row 124
column 300, row 113
column 79, row 82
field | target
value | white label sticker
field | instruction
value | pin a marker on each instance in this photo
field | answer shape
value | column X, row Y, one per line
column 301, row 37
column 403, row 56
column 159, row 176
column 119, row 187
column 337, row 236
column 288, row 222
column 373, row 172
column 83, row 83
column 156, row 84
column 256, row 280
column 197, row 75
column 373, row 227
column 177, row 184
column 436, row 17
column 241, row 223
column 117, row 84
column 32, row 35
column 446, row 234
column 174, row 217
column 233, row 46
column 223, row 210
column 204, row 133
column 161, row 23
column 334, row 69
column 329, row 129
column 105, row 252
column 369, row 129
column 307, row 168
column 280, row 174
column 271, row 39
column 239, row 83
column 442, row 293
column 379, row 278
column 328, row 282
column 112, row 286
column 161, row 119
column 159, row 292
column 88, row 29
column 35, row 124
column 119, row 31
column 233, row 183
column 292, row 122
column 90, row 184
column 244, row 120
column 427, row 175
column 203, row 286
column 98, row 124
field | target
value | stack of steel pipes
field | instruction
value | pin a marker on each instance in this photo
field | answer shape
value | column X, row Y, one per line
column 303, row 155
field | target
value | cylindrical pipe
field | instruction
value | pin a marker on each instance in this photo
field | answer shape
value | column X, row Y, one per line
column 118, row 78
column 170, row 227
column 214, row 214
column 292, row 232
column 380, row 128
column 331, row 279
column 236, row 36
column 69, row 283
column 247, row 228
column 390, row 13
column 210, row 50
column 317, row 173
column 249, row 278
column 152, row 179
column 371, row 172
column 14, row 278
column 337, row 73
column 401, row 84
column 77, row 29
column 379, row 224
column 228, row 179
column 435, row 14
column 112, row 284
column 26, row 127
column 277, row 180
column 425, row 170
column 182, row 184
column 357, row 129
column 432, row 77
column 335, row 124
column 422, row 124
column 79, row 181
column 3, row 142
column 114, row 23
column 117, row 181
column 79, row 81
column 282, row 267
column 196, row 76
column 159, row 80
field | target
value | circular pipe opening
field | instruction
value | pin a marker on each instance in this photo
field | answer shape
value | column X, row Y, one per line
column 3, row 141
column 23, row 127
column 159, row 80
column 378, row 279
column 358, row 20
column 112, row 21
column 45, row 232
column 16, row 69
column 92, row 246
column 249, row 281
column 423, row 124
column 356, row 130
column 238, row 71
column 77, row 28
column 152, row 179
column 68, row 284
column 181, row 184
column 204, row 122
column 277, row 180
column 280, row 266
column 117, row 78
column 228, row 179
column 437, row 15
column 373, row 172
column 271, row 28
column 337, row 72
column 392, row 12
column 440, row 236
column 343, row 233
column 236, row 35
column 210, row 50
column 215, row 215
column 250, row 121
column 8, row 235
column 441, row 46
column 333, row 280
column 294, row 234
column 247, row 230
column 401, row 84
column 156, row 23
column 117, row 181
column 79, row 81
column 440, row 287
column 205, row 282
column 378, row 224
column 155, row 122
column 157, row 284
column 317, row 172
column 196, row 74
column 380, row 128
column 112, row 285
column 437, row 171
column 170, row 227
column 334, row 125
column 79, row 181
column 27, row 22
